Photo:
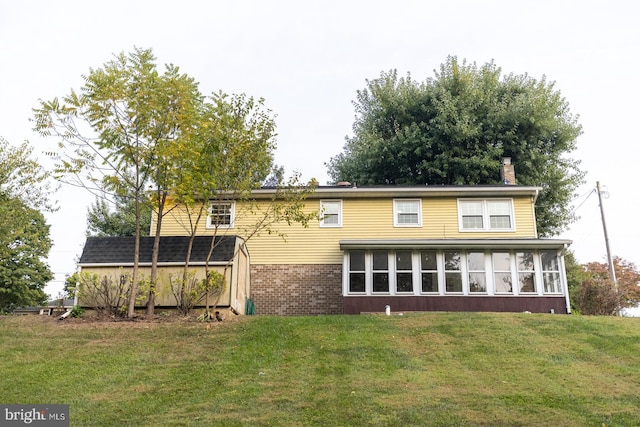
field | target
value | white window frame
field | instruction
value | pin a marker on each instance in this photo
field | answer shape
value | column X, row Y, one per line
column 486, row 216
column 410, row 271
column 232, row 204
column 489, row 271
column 396, row 213
column 482, row 271
column 437, row 271
column 521, row 271
column 558, row 290
column 323, row 204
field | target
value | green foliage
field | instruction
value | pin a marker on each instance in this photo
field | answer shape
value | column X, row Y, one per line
column 71, row 284
column 190, row 291
column 598, row 295
column 77, row 311
column 22, row 177
column 576, row 275
column 455, row 129
column 24, row 233
column 105, row 221
column 24, row 246
column 120, row 132
column 108, row 294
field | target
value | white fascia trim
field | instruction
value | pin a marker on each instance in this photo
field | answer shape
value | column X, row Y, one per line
column 455, row 243
column 160, row 264
column 413, row 191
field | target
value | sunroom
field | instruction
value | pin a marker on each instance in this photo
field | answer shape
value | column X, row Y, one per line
column 455, row 275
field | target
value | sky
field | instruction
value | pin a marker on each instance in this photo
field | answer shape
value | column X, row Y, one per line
column 309, row 59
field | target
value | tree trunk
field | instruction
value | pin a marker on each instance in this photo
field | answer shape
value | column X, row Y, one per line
column 151, row 302
column 131, row 308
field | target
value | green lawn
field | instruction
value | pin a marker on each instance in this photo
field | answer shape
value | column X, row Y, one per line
column 427, row 369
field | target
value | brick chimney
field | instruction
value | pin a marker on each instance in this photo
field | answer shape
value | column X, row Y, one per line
column 507, row 173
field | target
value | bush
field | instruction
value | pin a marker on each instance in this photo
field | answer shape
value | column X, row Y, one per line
column 599, row 297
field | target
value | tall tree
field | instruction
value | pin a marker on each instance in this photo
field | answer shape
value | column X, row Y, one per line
column 231, row 154
column 455, row 128
column 116, row 132
column 117, row 218
column 24, row 246
column 24, row 233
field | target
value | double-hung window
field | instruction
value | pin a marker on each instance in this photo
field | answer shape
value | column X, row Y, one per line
column 526, row 272
column 404, row 273
column 429, row 271
column 357, row 272
column 476, row 272
column 407, row 213
column 550, row 272
column 380, row 271
column 453, row 271
column 503, row 280
column 331, row 213
column 221, row 214
column 486, row 215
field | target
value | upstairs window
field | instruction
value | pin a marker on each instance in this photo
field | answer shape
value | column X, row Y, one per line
column 407, row 213
column 221, row 215
column 331, row 213
column 486, row 215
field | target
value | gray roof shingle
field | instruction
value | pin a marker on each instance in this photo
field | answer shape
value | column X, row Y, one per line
column 173, row 249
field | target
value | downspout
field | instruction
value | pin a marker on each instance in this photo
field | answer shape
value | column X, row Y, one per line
column 535, row 222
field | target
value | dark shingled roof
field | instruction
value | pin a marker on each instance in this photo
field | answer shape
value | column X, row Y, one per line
column 119, row 250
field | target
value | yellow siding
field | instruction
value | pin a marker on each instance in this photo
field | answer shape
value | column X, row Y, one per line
column 363, row 218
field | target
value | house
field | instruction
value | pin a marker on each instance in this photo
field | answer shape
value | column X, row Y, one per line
column 112, row 258
column 418, row 248
column 52, row 307
column 415, row 248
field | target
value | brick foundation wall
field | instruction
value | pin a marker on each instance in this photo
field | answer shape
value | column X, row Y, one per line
column 296, row 289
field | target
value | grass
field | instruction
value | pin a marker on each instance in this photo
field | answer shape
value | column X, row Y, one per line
column 426, row 369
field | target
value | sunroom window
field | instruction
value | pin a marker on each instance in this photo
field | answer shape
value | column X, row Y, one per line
column 526, row 272
column 550, row 272
column 429, row 271
column 453, row 271
column 477, row 276
column 404, row 274
column 503, row 281
column 380, row 271
column 357, row 274
column 497, row 272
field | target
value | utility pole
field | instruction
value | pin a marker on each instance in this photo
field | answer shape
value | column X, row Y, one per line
column 612, row 273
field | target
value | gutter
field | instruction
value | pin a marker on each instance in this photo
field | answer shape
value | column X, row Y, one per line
column 455, row 243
